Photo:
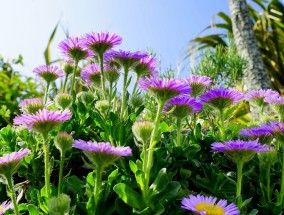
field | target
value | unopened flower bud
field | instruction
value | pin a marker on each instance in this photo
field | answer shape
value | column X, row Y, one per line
column 143, row 130
column 59, row 205
column 86, row 97
column 102, row 106
column 63, row 142
column 63, row 100
column 136, row 100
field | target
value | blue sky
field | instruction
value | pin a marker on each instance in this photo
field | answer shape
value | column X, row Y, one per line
column 165, row 26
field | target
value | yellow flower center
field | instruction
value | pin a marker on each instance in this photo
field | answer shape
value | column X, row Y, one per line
column 209, row 208
column 1, row 208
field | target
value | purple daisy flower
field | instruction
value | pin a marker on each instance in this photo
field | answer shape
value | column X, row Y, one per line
column 239, row 145
column 221, row 98
column 92, row 74
column 126, row 59
column 48, row 73
column 277, row 128
column 183, row 106
column 4, row 206
column 146, row 67
column 257, row 132
column 198, row 84
column 257, row 97
column 110, row 61
column 102, row 153
column 240, row 150
column 164, row 89
column 277, row 103
column 31, row 105
column 208, row 205
column 9, row 163
column 73, row 48
column 100, row 42
column 43, row 121
column 274, row 100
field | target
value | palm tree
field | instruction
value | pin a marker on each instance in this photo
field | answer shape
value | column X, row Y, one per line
column 245, row 40
column 268, row 26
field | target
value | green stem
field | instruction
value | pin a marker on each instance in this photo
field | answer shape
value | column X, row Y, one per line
column 65, row 82
column 73, row 77
column 178, row 143
column 222, row 125
column 46, row 165
column 261, row 112
column 98, row 184
column 110, row 97
column 240, row 165
column 135, row 85
column 124, row 93
column 60, row 172
column 101, row 58
column 153, row 142
column 280, row 117
column 268, row 187
column 282, row 179
column 46, row 92
column 12, row 193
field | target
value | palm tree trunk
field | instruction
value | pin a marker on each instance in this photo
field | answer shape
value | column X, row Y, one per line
column 255, row 75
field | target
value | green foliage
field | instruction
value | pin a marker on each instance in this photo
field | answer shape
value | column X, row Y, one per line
column 223, row 64
column 268, row 21
column 13, row 89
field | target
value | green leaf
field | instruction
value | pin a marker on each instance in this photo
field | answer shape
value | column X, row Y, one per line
column 33, row 210
column 73, row 184
column 169, row 193
column 129, row 196
column 47, row 50
column 253, row 212
column 159, row 184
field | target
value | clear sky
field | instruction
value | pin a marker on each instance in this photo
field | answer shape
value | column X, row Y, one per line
column 165, row 26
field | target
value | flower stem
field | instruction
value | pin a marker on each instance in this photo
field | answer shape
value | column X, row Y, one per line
column 12, row 193
column 73, row 77
column 46, row 92
column 135, row 85
column 98, row 184
column 110, row 97
column 65, row 82
column 46, row 165
column 268, row 187
column 124, row 93
column 101, row 58
column 282, row 179
column 178, row 142
column 240, row 165
column 222, row 125
column 60, row 172
column 153, row 142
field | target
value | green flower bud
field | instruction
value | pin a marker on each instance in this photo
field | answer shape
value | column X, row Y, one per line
column 86, row 97
column 59, row 205
column 63, row 100
column 136, row 100
column 102, row 106
column 63, row 142
column 142, row 130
